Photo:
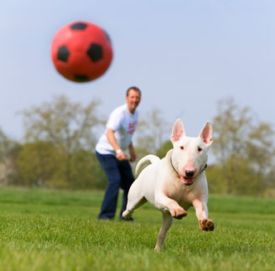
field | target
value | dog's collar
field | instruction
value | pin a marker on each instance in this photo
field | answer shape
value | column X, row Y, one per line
column 171, row 162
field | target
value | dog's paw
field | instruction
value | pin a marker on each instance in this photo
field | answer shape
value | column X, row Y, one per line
column 126, row 215
column 178, row 213
column 207, row 225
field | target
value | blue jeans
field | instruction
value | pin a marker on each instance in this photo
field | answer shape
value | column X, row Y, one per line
column 120, row 175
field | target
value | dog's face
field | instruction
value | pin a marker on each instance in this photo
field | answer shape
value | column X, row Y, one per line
column 189, row 155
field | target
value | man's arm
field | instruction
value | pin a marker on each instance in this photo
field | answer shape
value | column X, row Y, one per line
column 120, row 155
column 132, row 152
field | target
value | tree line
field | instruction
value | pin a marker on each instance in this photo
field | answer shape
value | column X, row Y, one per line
column 59, row 139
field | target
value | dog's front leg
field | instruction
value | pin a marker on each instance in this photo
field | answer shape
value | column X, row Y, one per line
column 202, row 215
column 165, row 203
column 166, row 224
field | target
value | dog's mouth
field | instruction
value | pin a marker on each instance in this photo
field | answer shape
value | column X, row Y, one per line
column 186, row 180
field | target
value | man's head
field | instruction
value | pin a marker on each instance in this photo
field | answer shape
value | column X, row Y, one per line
column 133, row 97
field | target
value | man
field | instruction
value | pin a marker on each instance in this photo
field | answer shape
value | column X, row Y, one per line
column 111, row 152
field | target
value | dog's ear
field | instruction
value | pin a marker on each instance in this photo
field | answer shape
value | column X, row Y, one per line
column 177, row 131
column 207, row 133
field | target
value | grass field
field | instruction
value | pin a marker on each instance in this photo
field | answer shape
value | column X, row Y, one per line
column 58, row 230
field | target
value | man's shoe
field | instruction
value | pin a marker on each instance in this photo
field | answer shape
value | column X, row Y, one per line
column 129, row 219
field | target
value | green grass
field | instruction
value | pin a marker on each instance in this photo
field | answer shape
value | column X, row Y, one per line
column 54, row 230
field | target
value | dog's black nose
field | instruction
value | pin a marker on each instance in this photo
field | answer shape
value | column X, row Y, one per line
column 189, row 173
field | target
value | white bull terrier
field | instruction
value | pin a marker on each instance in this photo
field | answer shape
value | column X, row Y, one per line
column 176, row 182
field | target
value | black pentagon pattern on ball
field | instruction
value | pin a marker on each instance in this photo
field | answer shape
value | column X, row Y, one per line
column 63, row 54
column 81, row 78
column 79, row 26
column 95, row 52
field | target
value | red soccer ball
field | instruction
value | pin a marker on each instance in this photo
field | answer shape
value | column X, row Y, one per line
column 81, row 51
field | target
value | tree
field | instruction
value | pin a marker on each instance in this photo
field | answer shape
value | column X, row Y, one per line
column 152, row 132
column 44, row 164
column 8, row 152
column 41, row 163
column 164, row 148
column 69, row 127
column 243, row 148
column 64, row 123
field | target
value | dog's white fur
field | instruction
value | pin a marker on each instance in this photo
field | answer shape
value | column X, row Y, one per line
column 176, row 182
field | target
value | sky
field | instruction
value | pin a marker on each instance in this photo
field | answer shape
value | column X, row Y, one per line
column 185, row 55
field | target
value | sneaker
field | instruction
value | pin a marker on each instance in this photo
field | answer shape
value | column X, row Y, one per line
column 128, row 219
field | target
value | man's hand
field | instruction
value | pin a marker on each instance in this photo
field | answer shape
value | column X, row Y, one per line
column 132, row 152
column 133, row 157
column 120, row 155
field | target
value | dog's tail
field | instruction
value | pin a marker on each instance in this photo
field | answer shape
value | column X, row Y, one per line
column 146, row 160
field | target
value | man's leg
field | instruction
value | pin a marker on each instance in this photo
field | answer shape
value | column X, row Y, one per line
column 109, row 204
column 127, row 179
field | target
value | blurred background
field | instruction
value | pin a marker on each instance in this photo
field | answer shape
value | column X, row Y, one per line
column 196, row 60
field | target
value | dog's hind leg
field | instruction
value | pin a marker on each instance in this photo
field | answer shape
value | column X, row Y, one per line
column 132, row 204
column 166, row 224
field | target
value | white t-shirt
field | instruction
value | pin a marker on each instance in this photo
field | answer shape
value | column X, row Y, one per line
column 124, row 124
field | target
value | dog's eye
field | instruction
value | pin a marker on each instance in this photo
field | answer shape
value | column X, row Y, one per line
column 182, row 147
column 199, row 149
